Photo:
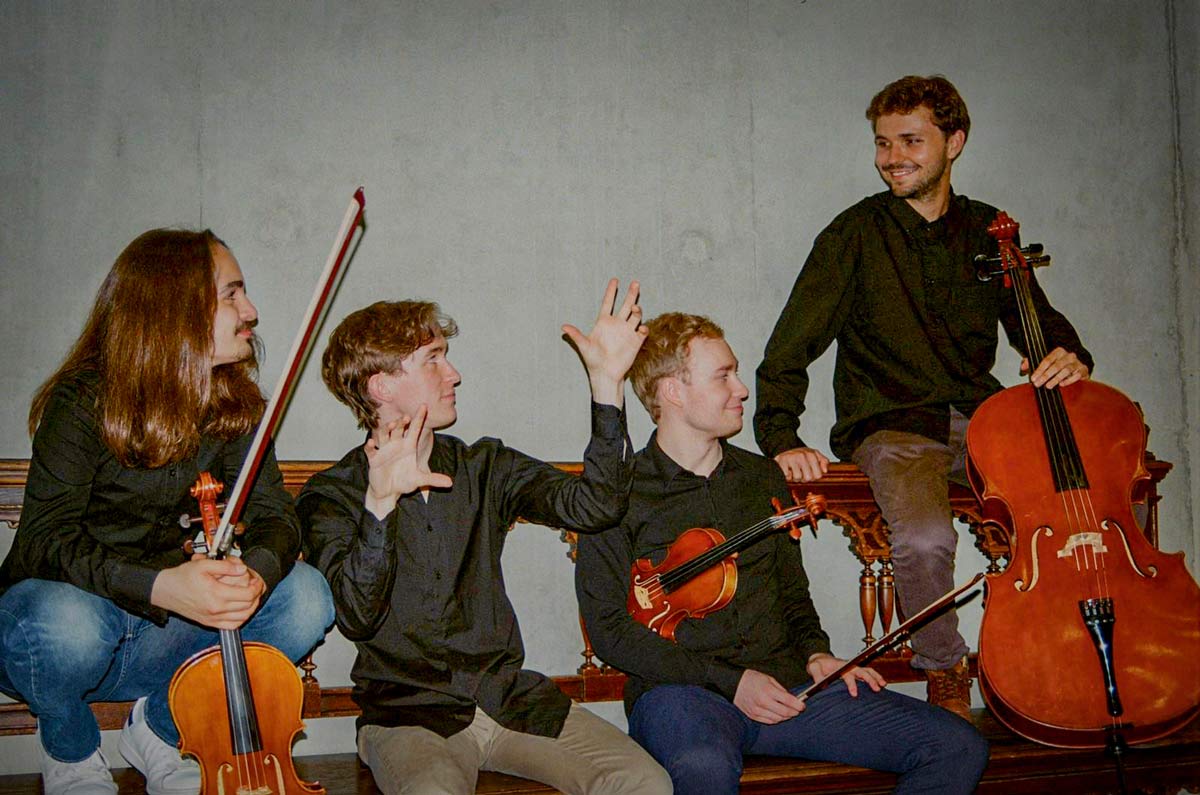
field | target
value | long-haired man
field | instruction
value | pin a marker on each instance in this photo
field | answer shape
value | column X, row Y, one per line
column 98, row 600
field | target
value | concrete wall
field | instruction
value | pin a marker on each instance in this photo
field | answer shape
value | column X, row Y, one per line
column 517, row 154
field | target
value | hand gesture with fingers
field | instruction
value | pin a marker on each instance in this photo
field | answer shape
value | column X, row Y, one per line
column 608, row 351
column 398, row 463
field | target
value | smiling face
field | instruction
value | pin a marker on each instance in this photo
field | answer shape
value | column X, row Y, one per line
column 236, row 317
column 427, row 378
column 710, row 394
column 913, row 156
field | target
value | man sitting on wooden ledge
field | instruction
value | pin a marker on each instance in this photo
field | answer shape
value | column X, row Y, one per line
column 727, row 686
column 409, row 528
column 100, row 602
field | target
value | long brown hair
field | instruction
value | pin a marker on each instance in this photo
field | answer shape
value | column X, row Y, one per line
column 149, row 338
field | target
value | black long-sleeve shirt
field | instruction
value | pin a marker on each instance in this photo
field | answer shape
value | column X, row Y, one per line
column 770, row 625
column 109, row 529
column 421, row 592
column 916, row 330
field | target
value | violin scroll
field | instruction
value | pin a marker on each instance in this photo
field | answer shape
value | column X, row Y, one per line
column 808, row 513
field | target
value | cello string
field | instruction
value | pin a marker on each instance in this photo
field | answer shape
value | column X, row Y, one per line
column 1062, row 449
column 1055, row 435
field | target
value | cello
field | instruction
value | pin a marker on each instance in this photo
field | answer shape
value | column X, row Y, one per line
column 1090, row 637
column 237, row 705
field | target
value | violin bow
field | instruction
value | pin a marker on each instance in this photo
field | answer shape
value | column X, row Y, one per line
column 881, row 645
column 223, row 538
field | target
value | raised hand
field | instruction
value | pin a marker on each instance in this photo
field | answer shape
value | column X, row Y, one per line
column 398, row 463
column 608, row 351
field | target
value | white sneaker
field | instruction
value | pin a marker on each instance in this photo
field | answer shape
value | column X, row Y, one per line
column 89, row 777
column 166, row 771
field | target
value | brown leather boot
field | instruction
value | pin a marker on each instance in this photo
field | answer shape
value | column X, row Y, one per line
column 950, row 688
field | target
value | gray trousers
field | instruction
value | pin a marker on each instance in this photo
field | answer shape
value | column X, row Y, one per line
column 910, row 477
column 589, row 757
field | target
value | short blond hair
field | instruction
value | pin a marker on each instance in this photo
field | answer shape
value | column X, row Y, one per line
column 664, row 354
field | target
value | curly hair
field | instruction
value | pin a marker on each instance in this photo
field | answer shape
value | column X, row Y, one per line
column 664, row 354
column 377, row 339
column 935, row 92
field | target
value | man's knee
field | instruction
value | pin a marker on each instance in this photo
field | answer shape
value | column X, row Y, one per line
column 704, row 768
column 413, row 761
column 640, row 775
column 61, row 624
column 955, row 756
column 299, row 611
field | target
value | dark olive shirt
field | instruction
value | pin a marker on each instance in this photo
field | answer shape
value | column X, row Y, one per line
column 916, row 330
column 109, row 529
column 421, row 592
column 770, row 625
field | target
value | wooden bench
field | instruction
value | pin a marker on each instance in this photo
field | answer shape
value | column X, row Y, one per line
column 1016, row 764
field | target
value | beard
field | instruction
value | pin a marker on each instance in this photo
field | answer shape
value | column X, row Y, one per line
column 926, row 184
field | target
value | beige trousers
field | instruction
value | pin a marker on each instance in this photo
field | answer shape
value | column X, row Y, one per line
column 589, row 757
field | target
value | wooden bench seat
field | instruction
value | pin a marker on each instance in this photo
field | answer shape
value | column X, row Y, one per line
column 1016, row 765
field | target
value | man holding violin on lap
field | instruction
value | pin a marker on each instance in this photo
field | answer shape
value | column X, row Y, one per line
column 726, row 686
column 893, row 281
column 99, row 600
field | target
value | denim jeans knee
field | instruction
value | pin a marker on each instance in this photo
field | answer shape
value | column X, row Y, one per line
column 57, row 643
column 296, row 616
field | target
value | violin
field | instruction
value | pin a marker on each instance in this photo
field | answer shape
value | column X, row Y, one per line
column 237, row 705
column 249, row 751
column 698, row 576
column 1090, row 637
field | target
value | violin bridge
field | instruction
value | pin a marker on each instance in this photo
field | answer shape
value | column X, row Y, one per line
column 642, row 594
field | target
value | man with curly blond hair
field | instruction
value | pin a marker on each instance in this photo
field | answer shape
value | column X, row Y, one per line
column 727, row 683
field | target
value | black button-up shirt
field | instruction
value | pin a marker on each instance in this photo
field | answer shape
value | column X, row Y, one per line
column 108, row 529
column 770, row 625
column 421, row 592
column 916, row 330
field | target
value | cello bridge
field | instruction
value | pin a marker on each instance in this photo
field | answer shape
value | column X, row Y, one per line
column 1075, row 541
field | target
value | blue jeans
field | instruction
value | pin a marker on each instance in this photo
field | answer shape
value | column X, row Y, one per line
column 62, row 647
column 700, row 738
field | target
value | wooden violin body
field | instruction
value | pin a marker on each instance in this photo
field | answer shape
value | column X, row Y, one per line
column 698, row 575
column 1091, row 636
column 243, row 744
column 708, row 591
column 245, row 753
